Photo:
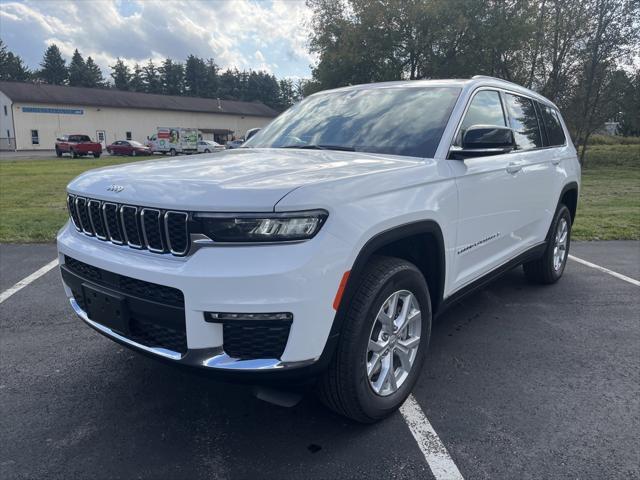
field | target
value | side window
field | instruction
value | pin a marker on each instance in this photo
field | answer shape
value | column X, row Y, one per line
column 522, row 115
column 128, row 135
column 552, row 124
column 485, row 109
column 35, row 140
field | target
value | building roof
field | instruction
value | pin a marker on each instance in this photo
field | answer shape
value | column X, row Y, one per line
column 99, row 97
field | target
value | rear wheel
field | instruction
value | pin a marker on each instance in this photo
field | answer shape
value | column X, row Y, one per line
column 382, row 345
column 549, row 268
column 172, row 152
column 96, row 155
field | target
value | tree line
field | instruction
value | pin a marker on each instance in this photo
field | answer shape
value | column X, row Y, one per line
column 196, row 77
column 577, row 53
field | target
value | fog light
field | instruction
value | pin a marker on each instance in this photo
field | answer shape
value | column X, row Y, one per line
column 218, row 317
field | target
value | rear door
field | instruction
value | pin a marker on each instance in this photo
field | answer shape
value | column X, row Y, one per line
column 490, row 203
column 538, row 172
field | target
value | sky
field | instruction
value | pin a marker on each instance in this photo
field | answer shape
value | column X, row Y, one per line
column 270, row 35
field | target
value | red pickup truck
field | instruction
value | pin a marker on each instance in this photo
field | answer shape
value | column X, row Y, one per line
column 78, row 146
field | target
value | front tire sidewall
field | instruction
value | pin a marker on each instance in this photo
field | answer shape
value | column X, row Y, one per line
column 374, row 405
column 563, row 212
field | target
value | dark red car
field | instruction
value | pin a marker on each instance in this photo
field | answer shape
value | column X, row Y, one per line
column 128, row 147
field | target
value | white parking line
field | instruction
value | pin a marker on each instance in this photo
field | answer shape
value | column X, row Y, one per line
column 606, row 270
column 27, row 280
column 432, row 448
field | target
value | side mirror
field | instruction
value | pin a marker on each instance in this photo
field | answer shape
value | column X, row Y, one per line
column 483, row 140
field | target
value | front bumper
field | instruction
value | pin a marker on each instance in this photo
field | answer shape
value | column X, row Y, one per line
column 298, row 278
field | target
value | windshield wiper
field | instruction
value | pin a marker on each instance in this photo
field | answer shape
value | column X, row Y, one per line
column 322, row 147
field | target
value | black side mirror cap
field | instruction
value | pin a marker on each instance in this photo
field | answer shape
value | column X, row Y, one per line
column 483, row 140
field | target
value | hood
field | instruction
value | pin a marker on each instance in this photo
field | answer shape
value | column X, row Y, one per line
column 233, row 180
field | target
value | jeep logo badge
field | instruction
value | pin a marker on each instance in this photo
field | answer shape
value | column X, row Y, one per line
column 115, row 188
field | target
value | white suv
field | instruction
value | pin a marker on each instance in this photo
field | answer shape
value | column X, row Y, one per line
column 325, row 246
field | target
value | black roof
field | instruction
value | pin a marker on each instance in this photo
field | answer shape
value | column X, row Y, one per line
column 102, row 97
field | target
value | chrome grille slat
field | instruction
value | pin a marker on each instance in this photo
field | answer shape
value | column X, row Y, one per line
column 131, row 226
column 144, row 228
column 83, row 215
column 94, row 208
column 151, row 223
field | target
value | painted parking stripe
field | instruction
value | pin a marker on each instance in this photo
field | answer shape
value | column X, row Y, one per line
column 434, row 451
column 630, row 280
column 27, row 280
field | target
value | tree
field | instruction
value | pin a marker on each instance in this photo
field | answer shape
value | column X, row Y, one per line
column 11, row 66
column 151, row 78
column 172, row 77
column 211, row 82
column 136, row 83
column 77, row 70
column 54, row 69
column 92, row 75
column 195, row 76
column 121, row 75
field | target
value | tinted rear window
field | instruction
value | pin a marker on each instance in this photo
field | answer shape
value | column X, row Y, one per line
column 79, row 138
column 524, row 122
column 551, row 119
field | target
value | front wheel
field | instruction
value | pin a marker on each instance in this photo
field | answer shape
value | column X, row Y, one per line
column 207, row 150
column 172, row 152
column 549, row 268
column 74, row 154
column 382, row 344
column 58, row 153
column 134, row 153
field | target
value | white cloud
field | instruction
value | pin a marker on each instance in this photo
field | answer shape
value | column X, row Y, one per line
column 239, row 33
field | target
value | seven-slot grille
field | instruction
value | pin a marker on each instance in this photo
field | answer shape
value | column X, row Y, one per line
column 159, row 231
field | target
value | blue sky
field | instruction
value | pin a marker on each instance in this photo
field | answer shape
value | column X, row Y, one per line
column 262, row 35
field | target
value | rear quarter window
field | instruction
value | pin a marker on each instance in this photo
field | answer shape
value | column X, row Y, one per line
column 552, row 125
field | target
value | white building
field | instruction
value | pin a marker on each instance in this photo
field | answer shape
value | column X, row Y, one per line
column 32, row 116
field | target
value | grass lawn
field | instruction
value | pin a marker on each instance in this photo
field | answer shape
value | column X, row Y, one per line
column 32, row 195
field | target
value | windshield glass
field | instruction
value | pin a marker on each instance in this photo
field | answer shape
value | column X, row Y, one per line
column 79, row 138
column 392, row 120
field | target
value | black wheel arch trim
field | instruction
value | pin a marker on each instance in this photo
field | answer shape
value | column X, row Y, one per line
column 568, row 187
column 374, row 244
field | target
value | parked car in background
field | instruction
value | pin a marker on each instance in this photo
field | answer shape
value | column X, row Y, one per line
column 231, row 144
column 208, row 146
column 174, row 140
column 250, row 133
column 77, row 146
column 128, row 147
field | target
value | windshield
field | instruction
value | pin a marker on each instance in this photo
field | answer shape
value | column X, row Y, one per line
column 79, row 138
column 392, row 120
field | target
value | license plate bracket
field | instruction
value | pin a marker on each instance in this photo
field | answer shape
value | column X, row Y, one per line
column 106, row 308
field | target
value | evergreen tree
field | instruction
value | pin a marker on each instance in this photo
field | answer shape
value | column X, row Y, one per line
column 151, row 78
column 54, row 69
column 212, row 85
column 195, row 76
column 136, row 84
column 172, row 76
column 93, row 75
column 11, row 66
column 121, row 75
column 77, row 70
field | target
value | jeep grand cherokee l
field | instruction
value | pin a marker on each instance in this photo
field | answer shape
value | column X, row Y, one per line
column 325, row 246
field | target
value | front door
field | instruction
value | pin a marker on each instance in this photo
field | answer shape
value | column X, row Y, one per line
column 490, row 202
column 101, row 138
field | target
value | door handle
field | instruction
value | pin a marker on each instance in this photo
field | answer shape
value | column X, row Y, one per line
column 514, row 167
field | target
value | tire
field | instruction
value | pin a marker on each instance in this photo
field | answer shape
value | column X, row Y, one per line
column 96, row 155
column 550, row 266
column 346, row 386
column 58, row 153
column 73, row 154
column 110, row 152
column 207, row 150
column 172, row 152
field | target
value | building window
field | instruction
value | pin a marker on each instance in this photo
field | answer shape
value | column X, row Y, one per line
column 129, row 136
column 5, row 110
column 34, row 137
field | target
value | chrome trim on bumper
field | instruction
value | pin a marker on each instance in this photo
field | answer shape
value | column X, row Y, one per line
column 213, row 358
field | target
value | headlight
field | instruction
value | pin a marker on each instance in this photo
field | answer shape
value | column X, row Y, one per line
column 257, row 227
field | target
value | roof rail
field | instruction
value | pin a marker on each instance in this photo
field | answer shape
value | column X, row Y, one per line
column 489, row 77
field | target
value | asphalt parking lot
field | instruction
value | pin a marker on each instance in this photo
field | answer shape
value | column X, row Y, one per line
column 520, row 382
